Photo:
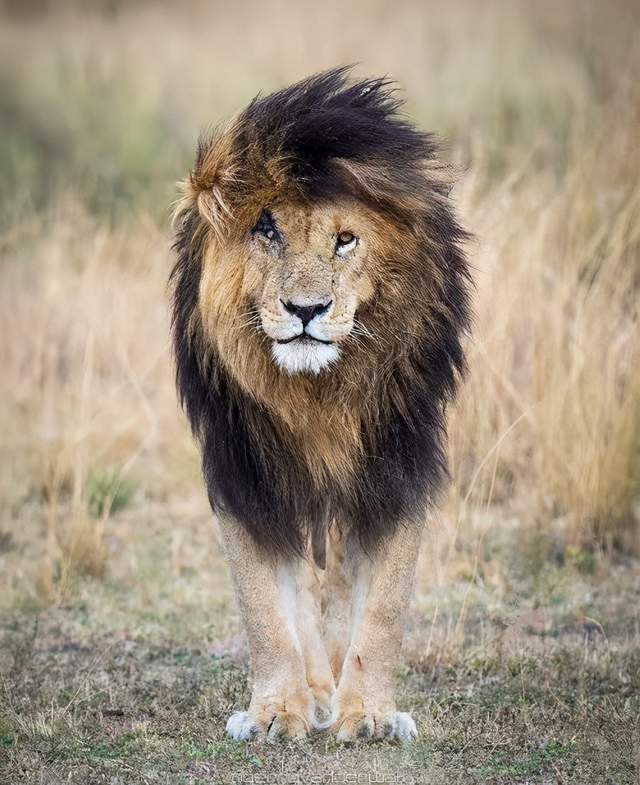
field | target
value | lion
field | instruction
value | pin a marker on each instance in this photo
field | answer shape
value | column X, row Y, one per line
column 320, row 301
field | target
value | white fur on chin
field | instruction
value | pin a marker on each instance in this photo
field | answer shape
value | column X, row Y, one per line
column 304, row 356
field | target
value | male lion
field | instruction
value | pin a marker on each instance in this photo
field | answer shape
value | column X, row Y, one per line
column 320, row 296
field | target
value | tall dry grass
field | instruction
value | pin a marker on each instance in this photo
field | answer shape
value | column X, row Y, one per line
column 101, row 104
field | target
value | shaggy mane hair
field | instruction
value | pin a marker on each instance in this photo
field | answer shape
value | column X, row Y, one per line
column 325, row 138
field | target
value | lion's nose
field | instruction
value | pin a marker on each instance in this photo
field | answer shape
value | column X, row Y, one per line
column 306, row 312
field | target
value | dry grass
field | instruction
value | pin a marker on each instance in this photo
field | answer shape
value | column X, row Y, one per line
column 132, row 677
column 551, row 412
column 100, row 106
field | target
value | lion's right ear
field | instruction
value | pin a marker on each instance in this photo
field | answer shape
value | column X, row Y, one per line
column 212, row 208
column 214, row 175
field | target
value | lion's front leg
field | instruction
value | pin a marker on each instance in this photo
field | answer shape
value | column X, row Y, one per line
column 364, row 703
column 282, row 705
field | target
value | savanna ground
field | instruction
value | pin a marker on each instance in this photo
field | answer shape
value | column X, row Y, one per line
column 121, row 654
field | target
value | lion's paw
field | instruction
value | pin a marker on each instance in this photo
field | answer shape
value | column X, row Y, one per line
column 367, row 726
column 268, row 726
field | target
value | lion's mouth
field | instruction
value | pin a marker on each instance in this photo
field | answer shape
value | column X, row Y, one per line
column 304, row 338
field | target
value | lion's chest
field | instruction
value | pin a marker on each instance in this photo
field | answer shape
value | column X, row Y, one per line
column 326, row 438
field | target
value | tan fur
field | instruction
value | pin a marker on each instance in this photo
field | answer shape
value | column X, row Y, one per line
column 281, row 701
column 297, row 660
column 364, row 703
column 322, row 640
column 344, row 662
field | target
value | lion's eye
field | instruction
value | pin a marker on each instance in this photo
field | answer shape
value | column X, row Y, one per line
column 345, row 242
column 266, row 226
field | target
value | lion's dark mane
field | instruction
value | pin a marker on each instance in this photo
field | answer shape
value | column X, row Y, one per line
column 248, row 466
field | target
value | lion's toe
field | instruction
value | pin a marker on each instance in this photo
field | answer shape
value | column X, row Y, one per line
column 286, row 726
column 272, row 726
column 369, row 726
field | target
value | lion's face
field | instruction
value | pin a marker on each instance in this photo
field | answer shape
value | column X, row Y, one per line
column 309, row 265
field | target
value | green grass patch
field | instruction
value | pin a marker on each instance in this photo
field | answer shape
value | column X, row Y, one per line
column 6, row 739
column 530, row 763
column 108, row 492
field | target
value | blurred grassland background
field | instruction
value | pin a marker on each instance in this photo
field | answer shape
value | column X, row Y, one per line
column 100, row 107
column 540, row 103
